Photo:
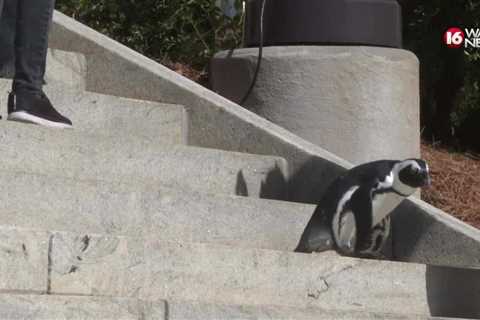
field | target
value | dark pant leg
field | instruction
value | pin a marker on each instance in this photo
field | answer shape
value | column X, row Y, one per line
column 7, row 36
column 31, row 43
column 2, row 44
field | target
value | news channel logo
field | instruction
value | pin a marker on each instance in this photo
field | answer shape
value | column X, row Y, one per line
column 462, row 38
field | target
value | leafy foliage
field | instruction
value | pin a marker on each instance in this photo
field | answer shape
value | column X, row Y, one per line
column 189, row 31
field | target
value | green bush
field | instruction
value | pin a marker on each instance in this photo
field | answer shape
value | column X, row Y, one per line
column 188, row 31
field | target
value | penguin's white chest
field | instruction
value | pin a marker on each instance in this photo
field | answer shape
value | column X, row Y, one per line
column 383, row 205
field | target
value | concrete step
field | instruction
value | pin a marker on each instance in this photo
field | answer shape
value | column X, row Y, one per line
column 113, row 116
column 118, row 266
column 50, row 307
column 23, row 260
column 10, row 131
column 202, row 311
column 149, row 269
column 181, row 167
column 62, row 204
column 64, row 68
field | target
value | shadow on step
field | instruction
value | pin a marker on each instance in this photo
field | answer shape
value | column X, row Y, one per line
column 273, row 186
column 453, row 292
column 308, row 183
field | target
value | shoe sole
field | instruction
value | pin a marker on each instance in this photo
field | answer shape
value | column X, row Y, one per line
column 22, row 116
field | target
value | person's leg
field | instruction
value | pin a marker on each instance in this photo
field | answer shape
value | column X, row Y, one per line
column 1, row 8
column 3, row 54
column 1, row 11
column 7, row 36
column 31, row 43
column 27, row 102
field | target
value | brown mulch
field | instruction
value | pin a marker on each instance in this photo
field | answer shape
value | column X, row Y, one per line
column 186, row 71
column 455, row 183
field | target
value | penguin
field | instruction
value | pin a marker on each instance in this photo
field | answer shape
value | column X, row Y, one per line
column 353, row 216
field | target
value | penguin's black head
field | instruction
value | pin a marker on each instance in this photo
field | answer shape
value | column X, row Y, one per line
column 414, row 173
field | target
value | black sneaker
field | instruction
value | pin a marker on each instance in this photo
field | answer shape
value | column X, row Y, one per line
column 35, row 108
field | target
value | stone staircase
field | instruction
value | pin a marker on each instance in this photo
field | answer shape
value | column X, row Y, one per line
column 146, row 211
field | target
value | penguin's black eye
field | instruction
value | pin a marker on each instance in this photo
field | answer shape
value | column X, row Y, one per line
column 414, row 169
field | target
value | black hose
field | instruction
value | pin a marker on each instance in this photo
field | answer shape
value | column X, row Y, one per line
column 260, row 55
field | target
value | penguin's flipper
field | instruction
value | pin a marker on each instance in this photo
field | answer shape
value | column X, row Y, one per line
column 361, row 205
column 341, row 216
column 347, row 233
column 317, row 236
